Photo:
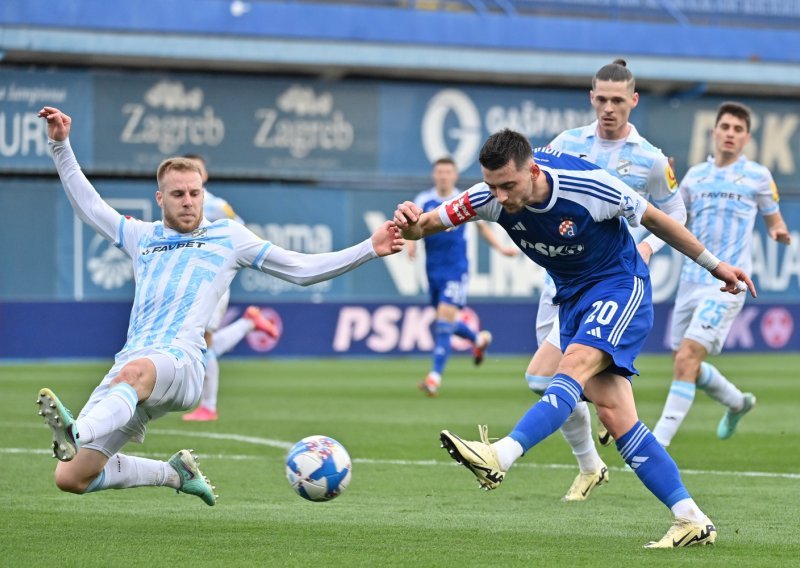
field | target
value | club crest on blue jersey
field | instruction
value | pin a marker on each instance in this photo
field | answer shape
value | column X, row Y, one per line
column 624, row 167
column 567, row 228
column 199, row 232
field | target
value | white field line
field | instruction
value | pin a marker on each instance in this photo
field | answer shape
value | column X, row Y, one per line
column 282, row 445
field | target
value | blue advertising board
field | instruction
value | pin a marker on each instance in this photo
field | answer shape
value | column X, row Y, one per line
column 347, row 329
column 23, row 136
column 65, row 259
column 275, row 128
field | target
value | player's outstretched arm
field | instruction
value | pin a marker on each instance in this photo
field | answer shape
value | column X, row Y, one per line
column 679, row 238
column 87, row 203
column 306, row 269
column 414, row 224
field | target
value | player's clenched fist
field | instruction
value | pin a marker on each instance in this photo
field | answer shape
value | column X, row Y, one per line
column 58, row 123
column 406, row 216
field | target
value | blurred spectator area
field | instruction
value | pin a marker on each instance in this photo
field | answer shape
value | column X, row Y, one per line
column 745, row 13
column 722, row 46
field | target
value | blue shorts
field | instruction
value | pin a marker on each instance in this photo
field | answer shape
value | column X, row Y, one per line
column 448, row 291
column 614, row 316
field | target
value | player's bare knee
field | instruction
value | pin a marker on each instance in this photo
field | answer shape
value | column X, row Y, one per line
column 135, row 374
column 687, row 365
column 68, row 480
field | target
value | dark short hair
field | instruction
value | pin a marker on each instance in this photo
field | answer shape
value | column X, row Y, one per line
column 447, row 160
column 736, row 109
column 503, row 146
column 616, row 71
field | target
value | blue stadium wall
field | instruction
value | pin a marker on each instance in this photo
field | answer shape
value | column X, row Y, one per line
column 347, row 152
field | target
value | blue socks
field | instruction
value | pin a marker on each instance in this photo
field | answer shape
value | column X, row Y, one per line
column 654, row 466
column 462, row 330
column 442, row 331
column 547, row 415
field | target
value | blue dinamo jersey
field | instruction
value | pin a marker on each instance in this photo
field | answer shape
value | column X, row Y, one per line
column 578, row 234
column 445, row 252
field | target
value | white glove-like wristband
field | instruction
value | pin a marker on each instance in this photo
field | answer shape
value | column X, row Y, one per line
column 707, row 260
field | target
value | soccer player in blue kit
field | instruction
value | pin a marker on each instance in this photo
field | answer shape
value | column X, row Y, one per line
column 446, row 267
column 566, row 214
column 183, row 265
column 614, row 144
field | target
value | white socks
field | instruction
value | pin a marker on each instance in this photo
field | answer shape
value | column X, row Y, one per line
column 226, row 338
column 577, row 431
column 122, row 472
column 719, row 388
column 679, row 401
column 688, row 509
column 211, row 381
column 108, row 415
column 507, row 450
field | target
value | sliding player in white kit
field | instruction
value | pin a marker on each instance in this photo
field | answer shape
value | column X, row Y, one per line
column 182, row 266
column 614, row 144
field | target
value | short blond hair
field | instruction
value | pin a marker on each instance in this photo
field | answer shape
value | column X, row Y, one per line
column 177, row 165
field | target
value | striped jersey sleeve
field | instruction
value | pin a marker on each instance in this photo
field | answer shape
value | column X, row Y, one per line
column 475, row 203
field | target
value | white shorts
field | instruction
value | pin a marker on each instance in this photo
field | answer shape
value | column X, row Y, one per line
column 178, row 387
column 703, row 314
column 547, row 316
column 219, row 311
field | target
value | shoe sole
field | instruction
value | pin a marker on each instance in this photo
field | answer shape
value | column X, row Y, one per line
column 452, row 449
column 63, row 449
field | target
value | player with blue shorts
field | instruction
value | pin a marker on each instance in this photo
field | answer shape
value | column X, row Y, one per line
column 723, row 196
column 183, row 265
column 447, row 267
column 614, row 144
column 569, row 216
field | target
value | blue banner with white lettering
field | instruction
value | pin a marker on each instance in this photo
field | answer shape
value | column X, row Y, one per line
column 23, row 136
column 345, row 329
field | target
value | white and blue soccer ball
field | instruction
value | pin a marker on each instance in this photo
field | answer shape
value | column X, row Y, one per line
column 318, row 468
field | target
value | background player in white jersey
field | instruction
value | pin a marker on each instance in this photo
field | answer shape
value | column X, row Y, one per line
column 182, row 266
column 220, row 341
column 723, row 196
column 447, row 266
column 614, row 144
column 566, row 214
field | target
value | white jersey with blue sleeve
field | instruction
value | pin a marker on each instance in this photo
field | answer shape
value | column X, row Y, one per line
column 180, row 277
column 579, row 235
column 633, row 160
column 722, row 204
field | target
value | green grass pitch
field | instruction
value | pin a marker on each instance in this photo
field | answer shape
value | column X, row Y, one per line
column 408, row 504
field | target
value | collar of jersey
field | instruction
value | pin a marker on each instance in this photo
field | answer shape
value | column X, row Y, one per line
column 742, row 158
column 633, row 136
column 553, row 179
